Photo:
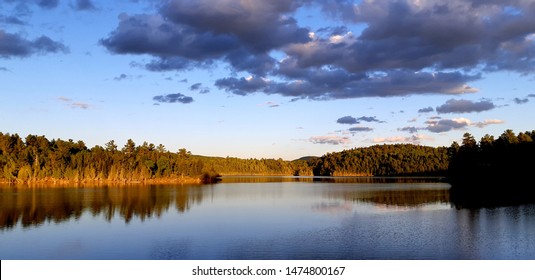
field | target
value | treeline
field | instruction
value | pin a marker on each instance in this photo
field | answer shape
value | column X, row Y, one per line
column 37, row 159
column 384, row 160
column 510, row 156
column 493, row 169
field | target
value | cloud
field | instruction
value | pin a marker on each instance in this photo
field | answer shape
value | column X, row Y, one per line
column 11, row 20
column 73, row 104
column 426, row 110
column 84, row 5
column 464, row 106
column 14, row 45
column 4, row 69
column 369, row 119
column 360, row 129
column 195, row 86
column 531, row 96
column 415, row 139
column 173, row 98
column 347, row 120
column 439, row 34
column 80, row 105
column 403, row 47
column 521, row 100
column 121, row 77
column 409, row 129
column 487, row 122
column 48, row 4
column 445, row 125
column 330, row 139
column 352, row 120
column 261, row 26
column 337, row 84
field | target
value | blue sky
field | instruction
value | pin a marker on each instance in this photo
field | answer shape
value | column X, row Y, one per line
column 266, row 79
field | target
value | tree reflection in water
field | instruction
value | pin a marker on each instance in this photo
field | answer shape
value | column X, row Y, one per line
column 35, row 206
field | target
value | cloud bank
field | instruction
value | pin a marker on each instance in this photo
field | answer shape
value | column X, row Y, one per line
column 405, row 47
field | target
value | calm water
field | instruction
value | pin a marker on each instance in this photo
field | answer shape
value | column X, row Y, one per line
column 260, row 218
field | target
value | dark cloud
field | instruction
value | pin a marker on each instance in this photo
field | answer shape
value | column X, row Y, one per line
column 196, row 86
column 173, row 98
column 84, row 5
column 4, row 69
column 347, row 120
column 11, row 20
column 439, row 34
column 259, row 25
column 426, row 110
column 531, row 96
column 360, row 129
column 445, row 125
column 409, row 129
column 369, row 119
column 175, row 46
column 48, row 4
column 14, row 45
column 330, row 140
column 521, row 100
column 464, row 106
column 243, row 86
column 339, row 84
column 121, row 77
column 405, row 48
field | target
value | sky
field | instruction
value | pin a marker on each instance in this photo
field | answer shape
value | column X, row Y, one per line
column 266, row 79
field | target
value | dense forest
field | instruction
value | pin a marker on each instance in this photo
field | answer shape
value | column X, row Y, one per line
column 384, row 160
column 37, row 159
column 495, row 170
column 487, row 162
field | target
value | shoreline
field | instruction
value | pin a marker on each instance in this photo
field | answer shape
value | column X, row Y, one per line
column 50, row 182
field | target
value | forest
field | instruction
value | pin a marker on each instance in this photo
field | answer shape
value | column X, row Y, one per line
column 493, row 171
column 384, row 160
column 37, row 159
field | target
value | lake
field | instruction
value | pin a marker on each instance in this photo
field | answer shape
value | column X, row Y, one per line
column 259, row 218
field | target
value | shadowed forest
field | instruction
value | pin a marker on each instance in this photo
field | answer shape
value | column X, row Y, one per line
column 495, row 171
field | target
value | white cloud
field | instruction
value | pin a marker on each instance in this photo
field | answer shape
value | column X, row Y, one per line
column 488, row 122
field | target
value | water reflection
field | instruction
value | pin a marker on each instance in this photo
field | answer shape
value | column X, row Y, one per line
column 264, row 219
column 35, row 206
column 326, row 179
column 399, row 197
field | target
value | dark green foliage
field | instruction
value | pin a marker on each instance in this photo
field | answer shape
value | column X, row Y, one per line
column 493, row 171
column 384, row 160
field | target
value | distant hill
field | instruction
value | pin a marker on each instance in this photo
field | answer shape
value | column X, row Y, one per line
column 306, row 158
